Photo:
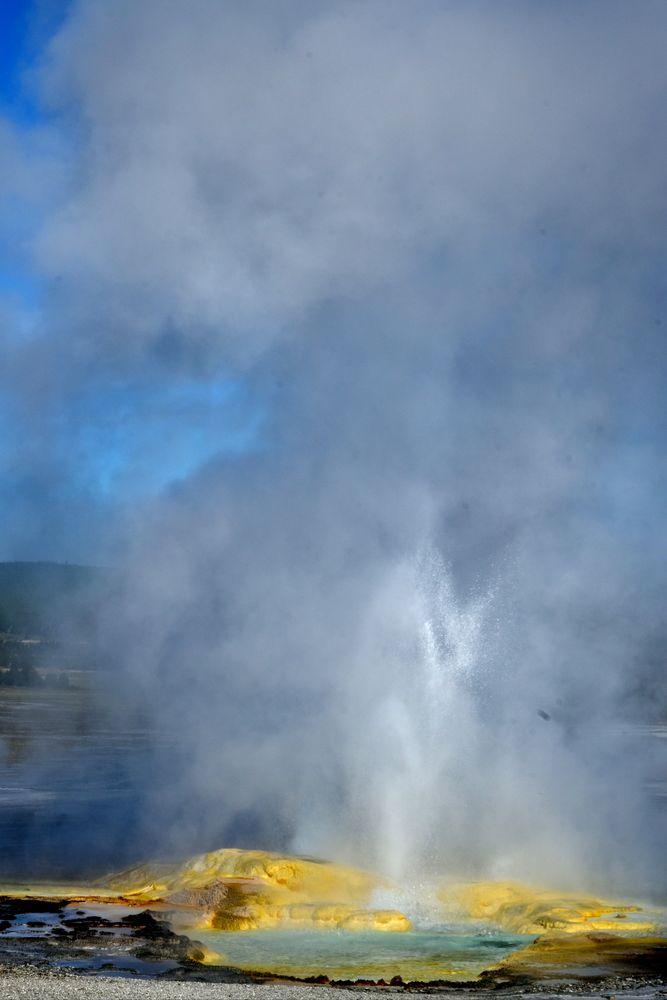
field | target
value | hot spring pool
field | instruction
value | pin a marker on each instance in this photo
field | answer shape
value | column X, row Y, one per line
column 417, row 954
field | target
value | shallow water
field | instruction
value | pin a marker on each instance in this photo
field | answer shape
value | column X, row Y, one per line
column 72, row 771
column 115, row 964
column 423, row 955
column 73, row 776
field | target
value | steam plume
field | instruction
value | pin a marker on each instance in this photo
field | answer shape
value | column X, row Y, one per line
column 397, row 599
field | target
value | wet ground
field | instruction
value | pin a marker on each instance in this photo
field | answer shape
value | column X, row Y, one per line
column 95, row 937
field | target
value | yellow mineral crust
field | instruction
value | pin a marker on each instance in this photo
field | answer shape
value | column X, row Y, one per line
column 574, row 955
column 240, row 890
column 526, row 910
column 237, row 890
column 315, row 879
column 261, row 914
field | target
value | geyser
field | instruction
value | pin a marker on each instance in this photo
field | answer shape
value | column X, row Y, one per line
column 447, row 729
column 348, row 352
column 448, row 761
column 418, row 739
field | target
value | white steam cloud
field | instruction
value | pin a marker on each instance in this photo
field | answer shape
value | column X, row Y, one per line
column 405, row 626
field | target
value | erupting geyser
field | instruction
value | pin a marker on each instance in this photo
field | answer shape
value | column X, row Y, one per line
column 418, row 740
column 336, row 334
column 446, row 761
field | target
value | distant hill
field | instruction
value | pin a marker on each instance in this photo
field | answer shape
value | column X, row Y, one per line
column 53, row 601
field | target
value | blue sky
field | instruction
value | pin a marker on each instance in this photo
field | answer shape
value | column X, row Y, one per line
column 25, row 28
column 15, row 52
column 118, row 438
column 136, row 437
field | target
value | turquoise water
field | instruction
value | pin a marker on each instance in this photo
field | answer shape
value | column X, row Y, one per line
column 416, row 954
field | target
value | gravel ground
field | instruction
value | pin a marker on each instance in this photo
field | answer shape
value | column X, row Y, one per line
column 21, row 985
column 26, row 984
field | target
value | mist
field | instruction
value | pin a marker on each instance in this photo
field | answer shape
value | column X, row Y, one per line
column 350, row 353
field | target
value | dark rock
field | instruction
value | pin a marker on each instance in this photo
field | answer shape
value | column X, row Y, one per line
column 11, row 907
column 145, row 925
